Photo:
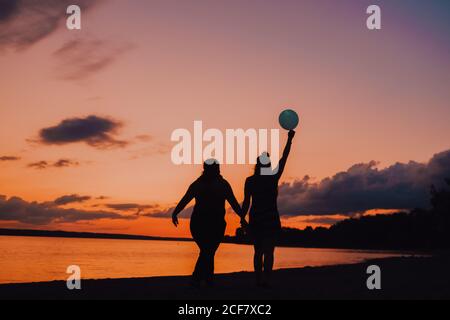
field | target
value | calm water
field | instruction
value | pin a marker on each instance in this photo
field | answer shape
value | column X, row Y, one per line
column 29, row 259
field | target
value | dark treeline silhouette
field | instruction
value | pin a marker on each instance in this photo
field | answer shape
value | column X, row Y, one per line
column 419, row 229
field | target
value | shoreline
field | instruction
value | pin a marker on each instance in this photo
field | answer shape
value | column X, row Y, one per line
column 227, row 240
column 402, row 278
column 83, row 235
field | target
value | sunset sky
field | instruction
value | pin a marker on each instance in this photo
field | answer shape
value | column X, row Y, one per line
column 374, row 106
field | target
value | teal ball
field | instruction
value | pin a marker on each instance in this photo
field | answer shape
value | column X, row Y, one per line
column 289, row 119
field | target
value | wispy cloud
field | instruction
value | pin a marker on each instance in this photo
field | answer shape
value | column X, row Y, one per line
column 69, row 199
column 144, row 138
column 62, row 163
column 39, row 165
column 167, row 213
column 128, row 207
column 26, row 22
column 81, row 58
column 17, row 209
column 9, row 158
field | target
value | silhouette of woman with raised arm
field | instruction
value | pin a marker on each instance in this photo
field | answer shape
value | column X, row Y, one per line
column 208, row 224
column 261, row 190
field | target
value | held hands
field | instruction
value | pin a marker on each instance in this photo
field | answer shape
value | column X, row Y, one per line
column 244, row 223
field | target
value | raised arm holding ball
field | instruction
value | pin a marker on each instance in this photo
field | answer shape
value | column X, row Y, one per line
column 261, row 193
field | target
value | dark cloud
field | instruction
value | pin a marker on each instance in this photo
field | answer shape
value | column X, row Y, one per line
column 158, row 213
column 323, row 220
column 93, row 130
column 127, row 207
column 25, row 22
column 80, row 58
column 62, row 163
column 7, row 9
column 68, row 199
column 364, row 187
column 39, row 165
column 9, row 158
column 17, row 209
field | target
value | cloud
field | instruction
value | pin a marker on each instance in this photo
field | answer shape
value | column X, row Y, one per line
column 324, row 220
column 9, row 158
column 26, row 22
column 73, row 198
column 62, row 163
column 39, row 165
column 17, row 209
column 167, row 213
column 7, row 9
column 127, row 207
column 144, row 138
column 80, row 58
column 364, row 187
column 97, row 132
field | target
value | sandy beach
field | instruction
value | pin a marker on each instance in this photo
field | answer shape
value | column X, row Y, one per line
column 402, row 278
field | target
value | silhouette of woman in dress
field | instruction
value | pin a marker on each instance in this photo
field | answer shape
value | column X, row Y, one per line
column 207, row 224
column 261, row 190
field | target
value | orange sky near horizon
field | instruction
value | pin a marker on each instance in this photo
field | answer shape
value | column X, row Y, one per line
column 361, row 96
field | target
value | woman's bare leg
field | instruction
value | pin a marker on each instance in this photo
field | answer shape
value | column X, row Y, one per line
column 258, row 263
column 269, row 257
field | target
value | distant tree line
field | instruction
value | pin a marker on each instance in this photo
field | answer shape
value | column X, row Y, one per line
column 419, row 229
